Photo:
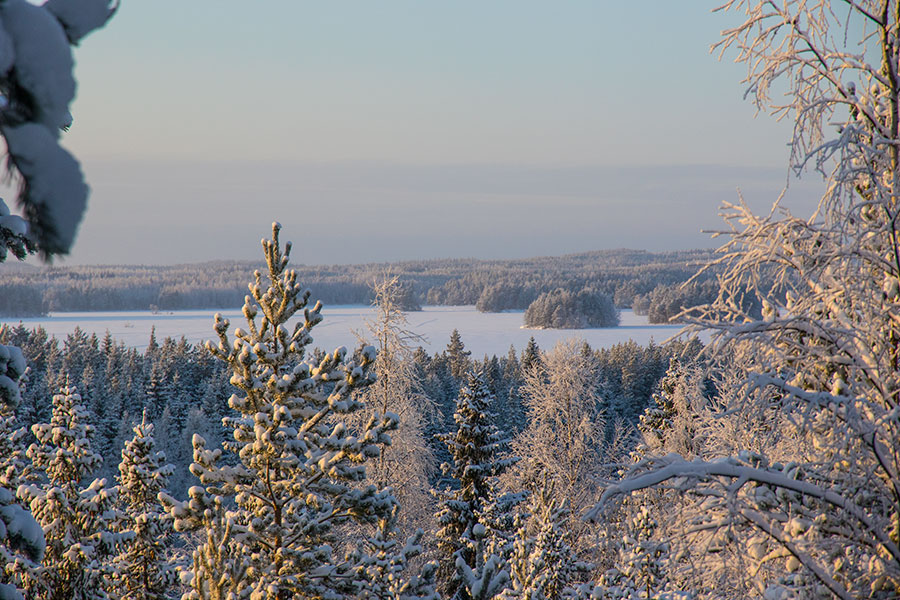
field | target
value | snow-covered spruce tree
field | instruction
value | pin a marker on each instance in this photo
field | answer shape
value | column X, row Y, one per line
column 458, row 356
column 78, row 520
column 142, row 570
column 296, row 472
column 820, row 370
column 37, row 87
column 644, row 565
column 408, row 462
column 670, row 423
column 21, row 538
column 468, row 514
column 543, row 565
column 531, row 356
column 382, row 562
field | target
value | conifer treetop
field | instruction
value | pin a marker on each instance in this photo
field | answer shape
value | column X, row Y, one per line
column 297, row 469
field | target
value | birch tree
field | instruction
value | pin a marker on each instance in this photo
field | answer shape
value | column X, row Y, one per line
column 563, row 442
column 408, row 462
column 820, row 367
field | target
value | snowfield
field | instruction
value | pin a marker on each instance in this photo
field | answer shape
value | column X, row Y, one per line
column 482, row 333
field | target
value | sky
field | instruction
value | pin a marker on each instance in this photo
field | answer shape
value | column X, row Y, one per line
column 392, row 130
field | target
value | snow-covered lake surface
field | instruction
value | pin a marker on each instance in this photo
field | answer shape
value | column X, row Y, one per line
column 482, row 333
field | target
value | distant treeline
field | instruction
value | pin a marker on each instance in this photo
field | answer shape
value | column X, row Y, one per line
column 491, row 285
column 664, row 303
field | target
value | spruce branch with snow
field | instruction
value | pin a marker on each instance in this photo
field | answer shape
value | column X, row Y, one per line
column 37, row 86
column 12, row 369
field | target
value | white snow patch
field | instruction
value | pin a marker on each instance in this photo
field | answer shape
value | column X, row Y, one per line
column 56, row 188
column 43, row 60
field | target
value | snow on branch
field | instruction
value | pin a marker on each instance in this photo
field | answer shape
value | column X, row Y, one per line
column 674, row 467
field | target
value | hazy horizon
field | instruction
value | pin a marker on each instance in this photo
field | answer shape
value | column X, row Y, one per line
column 403, row 130
column 159, row 212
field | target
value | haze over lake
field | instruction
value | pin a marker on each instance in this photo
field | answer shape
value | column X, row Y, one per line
column 482, row 333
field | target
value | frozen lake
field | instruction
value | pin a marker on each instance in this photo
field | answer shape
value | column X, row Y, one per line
column 482, row 333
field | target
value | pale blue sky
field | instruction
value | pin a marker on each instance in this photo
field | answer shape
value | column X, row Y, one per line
column 385, row 130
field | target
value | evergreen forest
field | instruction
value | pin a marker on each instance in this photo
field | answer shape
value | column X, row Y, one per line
column 764, row 464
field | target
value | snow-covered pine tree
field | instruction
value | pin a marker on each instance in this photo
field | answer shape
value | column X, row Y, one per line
column 477, row 449
column 142, row 570
column 296, row 470
column 78, row 521
column 219, row 566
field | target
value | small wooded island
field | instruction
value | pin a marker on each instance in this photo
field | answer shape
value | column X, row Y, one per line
column 562, row 309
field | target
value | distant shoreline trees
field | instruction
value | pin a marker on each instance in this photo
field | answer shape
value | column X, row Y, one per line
column 492, row 286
